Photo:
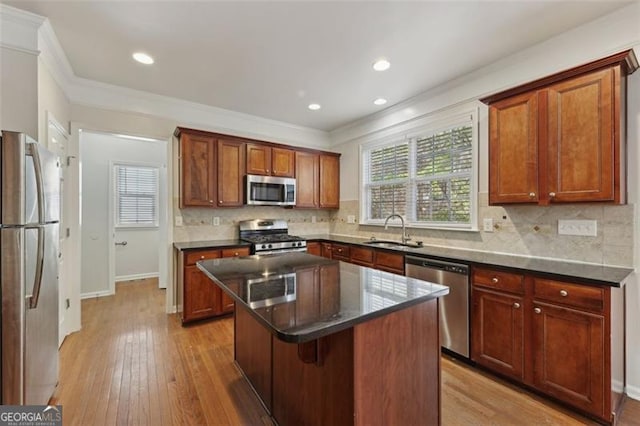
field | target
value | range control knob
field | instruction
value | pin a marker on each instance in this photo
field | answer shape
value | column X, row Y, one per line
column 264, row 246
column 270, row 246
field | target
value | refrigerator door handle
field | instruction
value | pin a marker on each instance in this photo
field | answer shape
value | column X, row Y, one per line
column 37, row 281
column 37, row 168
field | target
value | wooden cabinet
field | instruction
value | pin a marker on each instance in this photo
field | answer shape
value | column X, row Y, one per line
column 307, row 180
column 200, row 297
column 270, row 161
column 197, row 174
column 329, row 182
column 230, row 173
column 384, row 260
column 317, row 180
column 314, row 247
column 326, row 250
column 498, row 322
column 341, row 252
column 362, row 256
column 389, row 261
column 550, row 335
column 561, row 138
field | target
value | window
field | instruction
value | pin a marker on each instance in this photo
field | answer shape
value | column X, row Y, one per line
column 136, row 196
column 427, row 175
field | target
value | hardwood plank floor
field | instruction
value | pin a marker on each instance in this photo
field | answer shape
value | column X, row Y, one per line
column 133, row 364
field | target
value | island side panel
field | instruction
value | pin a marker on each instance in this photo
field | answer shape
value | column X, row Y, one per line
column 397, row 368
column 253, row 354
column 314, row 394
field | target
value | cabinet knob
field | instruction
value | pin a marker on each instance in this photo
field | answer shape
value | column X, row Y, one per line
column 494, row 280
column 201, row 257
column 236, row 254
column 537, row 310
column 516, row 305
column 532, row 195
column 564, row 293
column 267, row 170
column 339, row 250
column 211, row 201
column 552, row 194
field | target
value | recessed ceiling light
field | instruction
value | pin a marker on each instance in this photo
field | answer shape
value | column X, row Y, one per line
column 143, row 58
column 381, row 65
column 380, row 101
column 314, row 107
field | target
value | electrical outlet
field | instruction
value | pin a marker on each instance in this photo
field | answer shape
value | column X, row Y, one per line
column 587, row 228
column 487, row 224
column 216, row 221
column 178, row 220
column 313, row 219
column 351, row 219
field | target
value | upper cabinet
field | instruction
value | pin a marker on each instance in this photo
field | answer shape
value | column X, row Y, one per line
column 270, row 161
column 213, row 169
column 561, row 139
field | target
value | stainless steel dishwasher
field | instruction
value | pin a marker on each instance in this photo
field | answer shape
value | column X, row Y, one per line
column 454, row 307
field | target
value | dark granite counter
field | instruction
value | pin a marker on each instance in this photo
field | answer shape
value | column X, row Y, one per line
column 300, row 297
column 557, row 269
column 213, row 244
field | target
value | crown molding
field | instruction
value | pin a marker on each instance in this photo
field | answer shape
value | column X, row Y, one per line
column 19, row 29
column 91, row 93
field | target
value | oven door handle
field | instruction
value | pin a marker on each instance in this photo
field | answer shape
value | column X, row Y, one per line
column 298, row 250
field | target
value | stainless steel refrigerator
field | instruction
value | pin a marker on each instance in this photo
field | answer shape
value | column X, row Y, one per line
column 29, row 216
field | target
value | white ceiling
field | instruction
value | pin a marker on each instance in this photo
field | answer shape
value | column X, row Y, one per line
column 271, row 59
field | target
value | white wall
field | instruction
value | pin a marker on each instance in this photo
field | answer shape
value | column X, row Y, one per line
column 140, row 257
column 610, row 34
column 19, row 91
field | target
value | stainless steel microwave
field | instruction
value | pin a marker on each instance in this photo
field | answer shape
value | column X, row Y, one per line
column 270, row 191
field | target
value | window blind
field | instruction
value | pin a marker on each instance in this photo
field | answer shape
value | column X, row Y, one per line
column 427, row 177
column 136, row 196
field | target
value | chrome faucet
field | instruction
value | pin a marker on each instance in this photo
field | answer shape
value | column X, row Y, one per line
column 405, row 236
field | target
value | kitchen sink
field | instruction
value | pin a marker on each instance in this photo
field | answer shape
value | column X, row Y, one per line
column 392, row 244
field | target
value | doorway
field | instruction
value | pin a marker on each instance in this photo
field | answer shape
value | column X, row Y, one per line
column 108, row 160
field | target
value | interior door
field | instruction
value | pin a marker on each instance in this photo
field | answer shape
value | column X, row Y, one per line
column 57, row 142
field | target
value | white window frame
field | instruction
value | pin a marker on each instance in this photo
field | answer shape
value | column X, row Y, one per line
column 445, row 120
column 116, row 197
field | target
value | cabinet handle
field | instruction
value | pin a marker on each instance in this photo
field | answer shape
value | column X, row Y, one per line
column 564, row 293
column 552, row 194
column 494, row 280
column 532, row 195
column 516, row 305
column 537, row 310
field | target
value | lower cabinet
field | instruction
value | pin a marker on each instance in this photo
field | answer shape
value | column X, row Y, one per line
column 365, row 256
column 198, row 296
column 552, row 336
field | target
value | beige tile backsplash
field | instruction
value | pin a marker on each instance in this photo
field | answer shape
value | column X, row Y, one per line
column 520, row 230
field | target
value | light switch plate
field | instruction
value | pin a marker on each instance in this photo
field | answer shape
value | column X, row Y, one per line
column 178, row 220
column 587, row 228
column 313, row 219
column 216, row 221
column 351, row 218
column 487, row 224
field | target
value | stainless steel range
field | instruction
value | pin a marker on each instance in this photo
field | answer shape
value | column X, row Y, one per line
column 270, row 236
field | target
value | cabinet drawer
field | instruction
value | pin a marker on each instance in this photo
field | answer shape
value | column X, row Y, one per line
column 340, row 251
column 236, row 251
column 390, row 262
column 500, row 280
column 362, row 256
column 569, row 294
column 192, row 257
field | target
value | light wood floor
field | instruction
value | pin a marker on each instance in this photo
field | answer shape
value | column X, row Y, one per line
column 133, row 364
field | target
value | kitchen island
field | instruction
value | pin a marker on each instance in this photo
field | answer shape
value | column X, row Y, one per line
column 327, row 342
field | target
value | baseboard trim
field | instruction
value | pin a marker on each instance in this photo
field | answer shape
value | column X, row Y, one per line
column 96, row 294
column 137, row 276
column 633, row 392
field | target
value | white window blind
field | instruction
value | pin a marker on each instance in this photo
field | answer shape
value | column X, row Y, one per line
column 427, row 176
column 136, row 195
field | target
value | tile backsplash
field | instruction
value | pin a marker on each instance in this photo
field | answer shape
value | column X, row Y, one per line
column 522, row 230
column 519, row 230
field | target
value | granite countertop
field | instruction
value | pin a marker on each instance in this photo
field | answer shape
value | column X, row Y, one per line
column 210, row 244
column 300, row 297
column 558, row 269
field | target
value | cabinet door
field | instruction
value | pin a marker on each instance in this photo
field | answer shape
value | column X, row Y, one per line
column 201, row 295
column 327, row 250
column 198, row 176
column 569, row 347
column 283, row 162
column 307, row 175
column 498, row 332
column 258, row 159
column 513, row 150
column 230, row 173
column 329, row 182
column 581, row 139
column 314, row 247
